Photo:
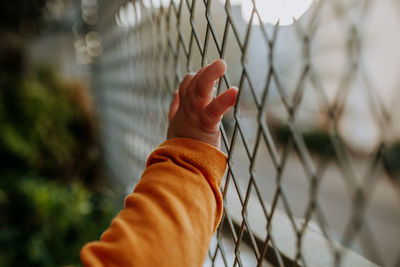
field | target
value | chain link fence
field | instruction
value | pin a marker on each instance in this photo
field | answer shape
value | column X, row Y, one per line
column 313, row 143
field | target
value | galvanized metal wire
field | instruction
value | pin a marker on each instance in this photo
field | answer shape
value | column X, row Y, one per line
column 302, row 166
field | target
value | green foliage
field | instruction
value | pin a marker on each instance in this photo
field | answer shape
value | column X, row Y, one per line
column 41, row 129
column 316, row 141
column 319, row 143
column 48, row 205
column 391, row 160
column 46, row 222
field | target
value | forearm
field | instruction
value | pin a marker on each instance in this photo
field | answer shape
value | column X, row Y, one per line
column 172, row 214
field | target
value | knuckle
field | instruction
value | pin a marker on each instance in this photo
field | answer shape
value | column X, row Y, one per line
column 196, row 94
column 220, row 102
column 211, row 114
column 191, row 107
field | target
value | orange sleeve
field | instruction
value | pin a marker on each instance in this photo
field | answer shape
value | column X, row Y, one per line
column 170, row 217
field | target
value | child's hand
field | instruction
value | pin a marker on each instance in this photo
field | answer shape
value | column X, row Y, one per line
column 193, row 112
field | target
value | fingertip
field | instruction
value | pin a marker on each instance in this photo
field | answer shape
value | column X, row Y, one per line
column 232, row 93
column 222, row 61
column 219, row 65
column 234, row 90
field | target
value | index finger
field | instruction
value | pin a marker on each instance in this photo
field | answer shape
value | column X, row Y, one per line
column 201, row 95
column 208, row 77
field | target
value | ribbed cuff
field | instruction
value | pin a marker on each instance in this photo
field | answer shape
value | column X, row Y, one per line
column 206, row 157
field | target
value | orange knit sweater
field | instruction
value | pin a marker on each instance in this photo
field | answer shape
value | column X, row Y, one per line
column 171, row 215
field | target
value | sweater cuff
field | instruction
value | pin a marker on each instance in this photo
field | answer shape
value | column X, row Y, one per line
column 207, row 157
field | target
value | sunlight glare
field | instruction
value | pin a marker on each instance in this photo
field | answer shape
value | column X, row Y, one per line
column 272, row 11
column 159, row 3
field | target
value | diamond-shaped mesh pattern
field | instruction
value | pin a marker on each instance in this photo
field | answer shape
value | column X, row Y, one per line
column 314, row 140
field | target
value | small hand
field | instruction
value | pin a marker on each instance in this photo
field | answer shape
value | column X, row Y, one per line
column 193, row 112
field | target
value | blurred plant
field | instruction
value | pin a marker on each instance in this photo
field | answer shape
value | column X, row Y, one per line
column 52, row 199
column 317, row 141
column 391, row 160
column 46, row 223
column 41, row 129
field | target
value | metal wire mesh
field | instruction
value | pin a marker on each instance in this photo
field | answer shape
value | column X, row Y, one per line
column 313, row 141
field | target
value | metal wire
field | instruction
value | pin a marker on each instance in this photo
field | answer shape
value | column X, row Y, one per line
column 302, row 166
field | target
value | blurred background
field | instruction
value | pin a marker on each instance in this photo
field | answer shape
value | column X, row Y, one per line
column 313, row 143
column 53, row 193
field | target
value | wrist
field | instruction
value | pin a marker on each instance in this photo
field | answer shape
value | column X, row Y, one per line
column 211, row 138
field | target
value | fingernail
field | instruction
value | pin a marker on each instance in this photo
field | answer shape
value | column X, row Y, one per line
column 220, row 59
column 235, row 88
column 217, row 65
